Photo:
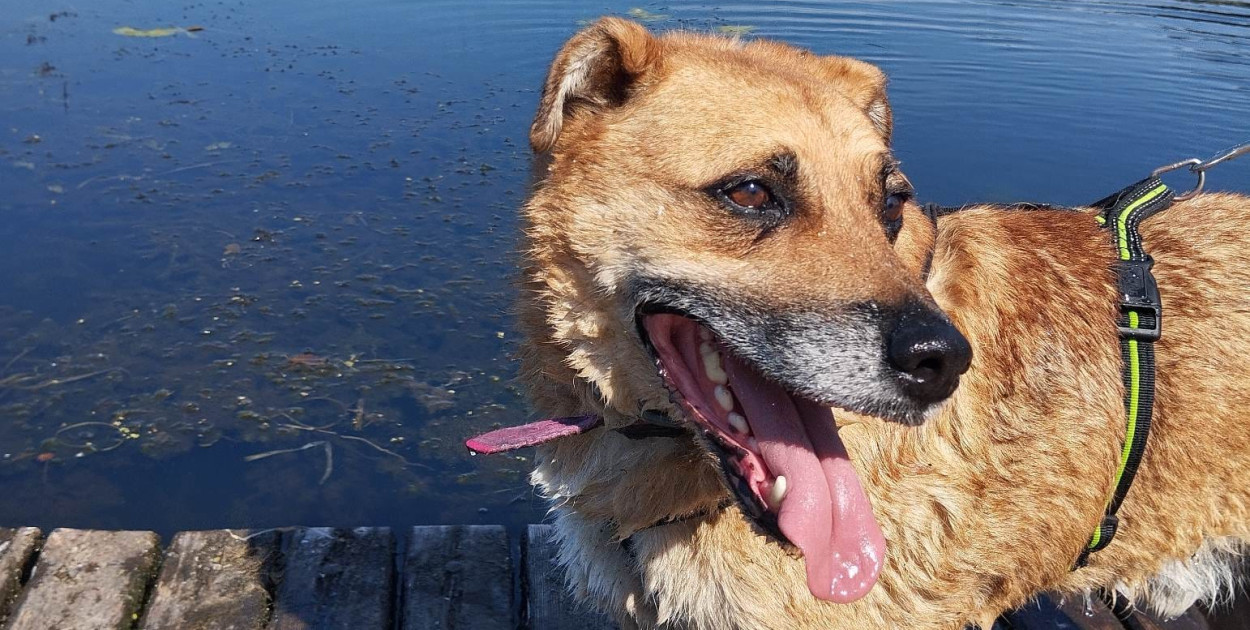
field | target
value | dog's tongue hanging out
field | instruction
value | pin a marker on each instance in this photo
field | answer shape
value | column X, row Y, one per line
column 822, row 508
column 825, row 511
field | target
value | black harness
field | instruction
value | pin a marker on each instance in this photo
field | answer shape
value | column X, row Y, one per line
column 1140, row 324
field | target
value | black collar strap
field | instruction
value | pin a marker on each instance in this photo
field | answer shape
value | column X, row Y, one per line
column 1140, row 323
column 653, row 424
column 627, row 543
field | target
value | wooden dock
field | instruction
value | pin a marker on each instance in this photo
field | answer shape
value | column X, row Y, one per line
column 440, row 577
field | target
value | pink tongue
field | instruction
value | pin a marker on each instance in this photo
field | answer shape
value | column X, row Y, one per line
column 825, row 511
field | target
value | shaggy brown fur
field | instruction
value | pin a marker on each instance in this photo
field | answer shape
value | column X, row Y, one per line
column 983, row 505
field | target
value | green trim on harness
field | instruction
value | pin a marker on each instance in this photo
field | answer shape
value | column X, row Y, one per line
column 1139, row 326
column 1121, row 223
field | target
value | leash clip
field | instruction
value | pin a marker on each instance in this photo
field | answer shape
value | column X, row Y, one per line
column 1193, row 164
column 1199, row 167
column 1139, row 295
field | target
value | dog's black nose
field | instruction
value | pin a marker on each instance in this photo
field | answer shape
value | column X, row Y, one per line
column 929, row 354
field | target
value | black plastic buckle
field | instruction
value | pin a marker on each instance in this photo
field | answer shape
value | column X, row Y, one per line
column 1140, row 293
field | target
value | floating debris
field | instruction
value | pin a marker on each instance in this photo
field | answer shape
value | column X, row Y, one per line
column 128, row 31
column 329, row 451
column 735, row 29
column 644, row 15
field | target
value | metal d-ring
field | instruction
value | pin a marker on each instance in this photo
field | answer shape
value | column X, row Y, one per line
column 1193, row 164
column 1200, row 168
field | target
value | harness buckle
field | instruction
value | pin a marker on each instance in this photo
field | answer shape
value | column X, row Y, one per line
column 1139, row 296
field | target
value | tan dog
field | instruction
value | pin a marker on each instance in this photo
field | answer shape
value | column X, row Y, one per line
column 730, row 212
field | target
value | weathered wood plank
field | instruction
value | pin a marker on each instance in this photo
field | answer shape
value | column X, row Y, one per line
column 458, row 577
column 336, row 578
column 548, row 603
column 214, row 580
column 17, row 548
column 87, row 580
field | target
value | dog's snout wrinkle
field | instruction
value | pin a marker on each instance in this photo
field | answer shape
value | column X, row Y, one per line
column 928, row 354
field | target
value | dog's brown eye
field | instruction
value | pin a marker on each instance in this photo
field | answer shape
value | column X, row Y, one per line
column 753, row 201
column 893, row 210
column 750, row 194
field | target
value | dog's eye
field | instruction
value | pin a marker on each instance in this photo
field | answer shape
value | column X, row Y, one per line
column 892, row 213
column 751, row 194
column 893, row 210
column 751, row 199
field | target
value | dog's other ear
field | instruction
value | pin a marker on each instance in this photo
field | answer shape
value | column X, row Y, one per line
column 596, row 70
column 864, row 84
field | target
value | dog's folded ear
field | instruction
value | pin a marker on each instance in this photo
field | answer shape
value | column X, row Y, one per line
column 864, row 84
column 595, row 69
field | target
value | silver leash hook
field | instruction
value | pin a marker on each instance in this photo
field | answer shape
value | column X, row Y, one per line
column 1200, row 167
column 1192, row 163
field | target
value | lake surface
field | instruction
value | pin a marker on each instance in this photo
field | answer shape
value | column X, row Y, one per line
column 257, row 272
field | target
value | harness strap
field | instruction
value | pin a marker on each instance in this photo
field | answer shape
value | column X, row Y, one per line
column 1140, row 323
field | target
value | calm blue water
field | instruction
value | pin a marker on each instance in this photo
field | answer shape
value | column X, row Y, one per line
column 259, row 274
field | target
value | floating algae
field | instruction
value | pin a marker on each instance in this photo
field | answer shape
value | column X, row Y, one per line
column 644, row 15
column 128, row 31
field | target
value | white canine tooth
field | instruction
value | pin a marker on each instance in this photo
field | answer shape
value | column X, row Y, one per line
column 778, row 493
column 705, row 334
column 739, row 423
column 724, row 398
column 712, row 364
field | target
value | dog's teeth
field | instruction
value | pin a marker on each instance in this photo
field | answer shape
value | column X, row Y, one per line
column 724, row 398
column 712, row 364
column 705, row 334
column 739, row 423
column 778, row 493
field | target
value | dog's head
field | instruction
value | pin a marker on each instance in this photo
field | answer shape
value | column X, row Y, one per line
column 737, row 220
